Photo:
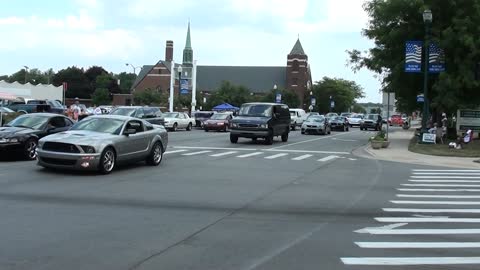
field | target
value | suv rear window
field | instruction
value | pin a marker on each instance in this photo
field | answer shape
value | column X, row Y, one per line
column 259, row 110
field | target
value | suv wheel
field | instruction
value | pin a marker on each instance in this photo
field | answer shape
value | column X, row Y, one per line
column 189, row 127
column 285, row 136
column 233, row 138
column 294, row 126
column 269, row 140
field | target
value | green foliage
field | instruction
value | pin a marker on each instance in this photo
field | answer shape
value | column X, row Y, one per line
column 126, row 81
column 235, row 95
column 343, row 93
column 101, row 96
column 454, row 28
column 288, row 97
column 376, row 110
column 78, row 84
column 358, row 108
column 149, row 97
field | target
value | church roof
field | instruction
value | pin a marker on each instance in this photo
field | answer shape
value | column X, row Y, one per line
column 258, row 79
column 188, row 43
column 297, row 48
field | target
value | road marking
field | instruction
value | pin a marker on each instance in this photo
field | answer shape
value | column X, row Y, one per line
column 444, row 177
column 352, row 159
column 445, row 181
column 439, row 189
column 302, row 157
column 386, row 227
column 418, row 244
column 174, row 151
column 439, row 196
column 308, row 151
column 250, row 155
column 325, row 159
column 276, row 156
column 447, row 171
column 312, row 140
column 438, row 185
column 196, row 153
column 413, row 210
column 438, row 202
column 214, row 148
column 428, row 220
column 224, row 154
column 343, row 140
column 420, row 231
column 411, row 260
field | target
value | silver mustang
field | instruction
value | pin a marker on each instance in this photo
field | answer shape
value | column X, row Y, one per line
column 100, row 142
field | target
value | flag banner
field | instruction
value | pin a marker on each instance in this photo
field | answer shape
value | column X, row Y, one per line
column 436, row 59
column 278, row 98
column 413, row 56
column 183, row 86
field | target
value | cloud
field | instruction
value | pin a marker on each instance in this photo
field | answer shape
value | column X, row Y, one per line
column 282, row 9
column 148, row 9
column 9, row 21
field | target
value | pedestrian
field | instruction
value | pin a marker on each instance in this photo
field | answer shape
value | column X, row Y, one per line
column 76, row 110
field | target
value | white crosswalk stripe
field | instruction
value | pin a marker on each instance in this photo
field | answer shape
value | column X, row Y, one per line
column 174, row 151
column 325, row 159
column 428, row 190
column 196, row 153
column 224, row 154
column 250, row 155
column 302, row 157
column 276, row 156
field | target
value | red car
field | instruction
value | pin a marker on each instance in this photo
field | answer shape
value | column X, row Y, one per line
column 396, row 120
column 218, row 121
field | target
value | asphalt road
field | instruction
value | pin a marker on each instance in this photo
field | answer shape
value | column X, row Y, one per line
column 211, row 205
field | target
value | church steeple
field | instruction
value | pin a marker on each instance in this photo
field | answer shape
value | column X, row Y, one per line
column 188, row 51
column 297, row 48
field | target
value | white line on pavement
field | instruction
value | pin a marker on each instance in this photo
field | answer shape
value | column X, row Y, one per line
column 308, row 151
column 224, row 154
column 174, row 151
column 444, row 173
column 445, row 181
column 328, row 158
column 414, row 210
column 302, row 157
column 438, row 185
column 438, row 202
column 428, row 220
column 214, row 148
column 444, row 177
column 316, row 139
column 439, row 196
column 418, row 244
column 411, row 260
column 421, row 231
column 447, row 171
column 439, row 189
column 196, row 153
column 352, row 159
column 276, row 156
column 250, row 155
column 254, row 149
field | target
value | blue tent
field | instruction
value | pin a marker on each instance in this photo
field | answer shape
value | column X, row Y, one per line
column 225, row 107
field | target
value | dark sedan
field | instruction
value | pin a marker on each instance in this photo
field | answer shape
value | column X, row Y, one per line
column 339, row 123
column 218, row 121
column 21, row 135
column 153, row 115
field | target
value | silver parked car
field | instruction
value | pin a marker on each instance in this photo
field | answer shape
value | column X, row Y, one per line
column 100, row 142
column 317, row 124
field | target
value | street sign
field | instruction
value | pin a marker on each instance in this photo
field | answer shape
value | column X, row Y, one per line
column 420, row 98
column 183, row 86
column 314, row 101
column 428, row 138
column 332, row 104
column 278, row 98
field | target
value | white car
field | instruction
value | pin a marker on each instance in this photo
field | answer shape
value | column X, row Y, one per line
column 296, row 118
column 355, row 120
column 176, row 120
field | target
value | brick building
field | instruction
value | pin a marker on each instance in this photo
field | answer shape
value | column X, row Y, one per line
column 295, row 75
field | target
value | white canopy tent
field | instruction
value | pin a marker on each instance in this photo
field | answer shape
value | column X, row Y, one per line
column 37, row 91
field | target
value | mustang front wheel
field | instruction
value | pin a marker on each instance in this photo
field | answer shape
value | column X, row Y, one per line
column 107, row 161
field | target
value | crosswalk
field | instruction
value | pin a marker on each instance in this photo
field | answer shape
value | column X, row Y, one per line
column 435, row 207
column 264, row 154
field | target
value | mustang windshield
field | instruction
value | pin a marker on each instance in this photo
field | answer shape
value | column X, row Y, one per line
column 316, row 118
column 124, row 111
column 29, row 121
column 102, row 125
column 258, row 110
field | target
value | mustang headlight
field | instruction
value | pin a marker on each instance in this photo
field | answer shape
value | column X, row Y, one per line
column 264, row 126
column 88, row 149
column 12, row 140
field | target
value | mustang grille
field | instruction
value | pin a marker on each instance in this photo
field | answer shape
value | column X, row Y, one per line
column 60, row 147
column 58, row 161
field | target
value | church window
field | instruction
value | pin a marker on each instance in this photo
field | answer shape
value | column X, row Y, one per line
column 295, row 65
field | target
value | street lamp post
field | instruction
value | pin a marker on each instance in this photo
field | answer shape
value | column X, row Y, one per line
column 311, row 101
column 26, row 71
column 427, row 19
column 180, row 69
column 330, row 105
column 134, row 68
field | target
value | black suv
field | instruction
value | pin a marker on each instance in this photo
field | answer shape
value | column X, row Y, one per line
column 261, row 120
column 152, row 115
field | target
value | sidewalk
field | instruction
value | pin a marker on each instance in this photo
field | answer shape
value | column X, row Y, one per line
column 398, row 152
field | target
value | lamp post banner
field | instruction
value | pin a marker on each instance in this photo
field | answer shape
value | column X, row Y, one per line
column 436, row 59
column 413, row 56
column 278, row 98
column 313, row 101
column 183, row 86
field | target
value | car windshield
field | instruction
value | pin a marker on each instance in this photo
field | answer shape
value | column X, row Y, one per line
column 102, row 125
column 371, row 117
column 316, row 118
column 5, row 110
column 55, row 104
column 29, row 121
column 124, row 111
column 170, row 115
column 293, row 113
column 357, row 116
column 339, row 118
column 259, row 110
column 219, row 116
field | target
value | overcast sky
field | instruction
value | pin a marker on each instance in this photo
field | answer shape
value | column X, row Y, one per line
column 59, row 33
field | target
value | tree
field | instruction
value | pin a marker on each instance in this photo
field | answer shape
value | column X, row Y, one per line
column 454, row 28
column 235, row 95
column 78, row 84
column 148, row 97
column 343, row 93
column 107, row 81
column 126, row 81
column 358, row 108
column 288, row 97
column 101, row 96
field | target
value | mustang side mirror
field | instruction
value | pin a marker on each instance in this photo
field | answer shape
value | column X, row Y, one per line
column 129, row 131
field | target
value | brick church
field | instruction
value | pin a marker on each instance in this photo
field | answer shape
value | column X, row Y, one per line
column 259, row 80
